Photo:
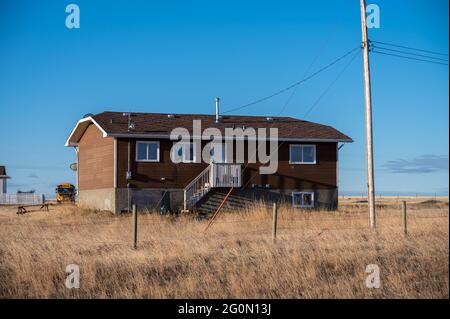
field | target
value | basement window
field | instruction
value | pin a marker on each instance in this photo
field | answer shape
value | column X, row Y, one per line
column 147, row 151
column 303, row 199
column 302, row 154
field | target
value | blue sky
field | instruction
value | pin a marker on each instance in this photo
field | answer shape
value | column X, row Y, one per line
column 176, row 56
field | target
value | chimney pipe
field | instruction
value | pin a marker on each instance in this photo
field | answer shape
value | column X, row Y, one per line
column 217, row 109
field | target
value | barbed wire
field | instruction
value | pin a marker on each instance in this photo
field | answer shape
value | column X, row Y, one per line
column 261, row 232
column 151, row 220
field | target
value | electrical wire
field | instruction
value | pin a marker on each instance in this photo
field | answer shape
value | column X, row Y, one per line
column 280, row 144
column 292, row 85
column 407, row 57
column 408, row 53
column 409, row 48
column 374, row 46
column 330, row 86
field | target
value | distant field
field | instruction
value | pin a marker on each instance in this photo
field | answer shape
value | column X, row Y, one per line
column 318, row 254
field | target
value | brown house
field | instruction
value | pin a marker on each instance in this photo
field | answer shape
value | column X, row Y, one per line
column 124, row 156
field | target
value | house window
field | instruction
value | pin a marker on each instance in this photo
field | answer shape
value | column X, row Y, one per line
column 303, row 199
column 183, row 153
column 147, row 151
column 302, row 154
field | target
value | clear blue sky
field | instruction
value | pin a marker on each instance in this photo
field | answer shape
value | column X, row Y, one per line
column 176, row 56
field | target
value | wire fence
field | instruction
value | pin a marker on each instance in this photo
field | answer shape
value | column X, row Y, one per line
column 24, row 199
column 143, row 221
column 154, row 228
column 251, row 228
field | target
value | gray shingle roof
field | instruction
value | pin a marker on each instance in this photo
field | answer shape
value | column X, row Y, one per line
column 115, row 124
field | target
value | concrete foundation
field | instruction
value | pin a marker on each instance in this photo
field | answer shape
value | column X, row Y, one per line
column 116, row 199
column 323, row 198
column 101, row 199
column 171, row 199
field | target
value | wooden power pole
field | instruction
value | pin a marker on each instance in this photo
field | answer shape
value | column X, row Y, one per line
column 368, row 101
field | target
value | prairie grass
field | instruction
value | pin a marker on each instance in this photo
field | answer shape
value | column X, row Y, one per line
column 318, row 254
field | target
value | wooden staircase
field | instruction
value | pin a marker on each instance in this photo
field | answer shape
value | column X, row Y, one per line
column 215, row 175
column 211, row 201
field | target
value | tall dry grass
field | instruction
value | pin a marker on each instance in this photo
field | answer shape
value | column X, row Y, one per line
column 318, row 254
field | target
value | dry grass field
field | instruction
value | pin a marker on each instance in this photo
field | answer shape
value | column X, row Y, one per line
column 317, row 254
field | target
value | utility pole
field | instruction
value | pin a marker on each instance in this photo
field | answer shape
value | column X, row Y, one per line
column 368, row 101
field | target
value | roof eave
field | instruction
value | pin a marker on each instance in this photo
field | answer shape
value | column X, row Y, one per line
column 80, row 128
column 285, row 139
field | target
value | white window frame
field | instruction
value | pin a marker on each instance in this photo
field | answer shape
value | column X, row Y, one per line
column 301, row 205
column 194, row 150
column 301, row 146
column 148, row 160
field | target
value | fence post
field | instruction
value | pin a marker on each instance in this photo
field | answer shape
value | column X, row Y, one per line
column 405, row 225
column 274, row 225
column 134, row 226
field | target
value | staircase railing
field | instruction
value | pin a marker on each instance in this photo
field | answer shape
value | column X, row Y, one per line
column 226, row 175
column 215, row 175
column 197, row 188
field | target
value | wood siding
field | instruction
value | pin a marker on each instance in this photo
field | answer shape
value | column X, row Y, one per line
column 298, row 176
column 323, row 174
column 149, row 174
column 95, row 160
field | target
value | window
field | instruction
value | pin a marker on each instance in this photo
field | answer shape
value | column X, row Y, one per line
column 302, row 154
column 147, row 151
column 183, row 153
column 303, row 199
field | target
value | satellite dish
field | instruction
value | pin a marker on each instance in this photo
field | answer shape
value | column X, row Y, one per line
column 87, row 115
column 73, row 166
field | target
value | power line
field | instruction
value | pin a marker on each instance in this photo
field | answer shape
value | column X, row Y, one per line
column 409, row 48
column 292, row 85
column 321, row 50
column 330, row 86
column 409, row 58
column 296, row 88
column 408, row 53
column 280, row 144
column 318, row 100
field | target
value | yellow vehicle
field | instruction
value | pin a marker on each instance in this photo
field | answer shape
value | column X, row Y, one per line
column 65, row 193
